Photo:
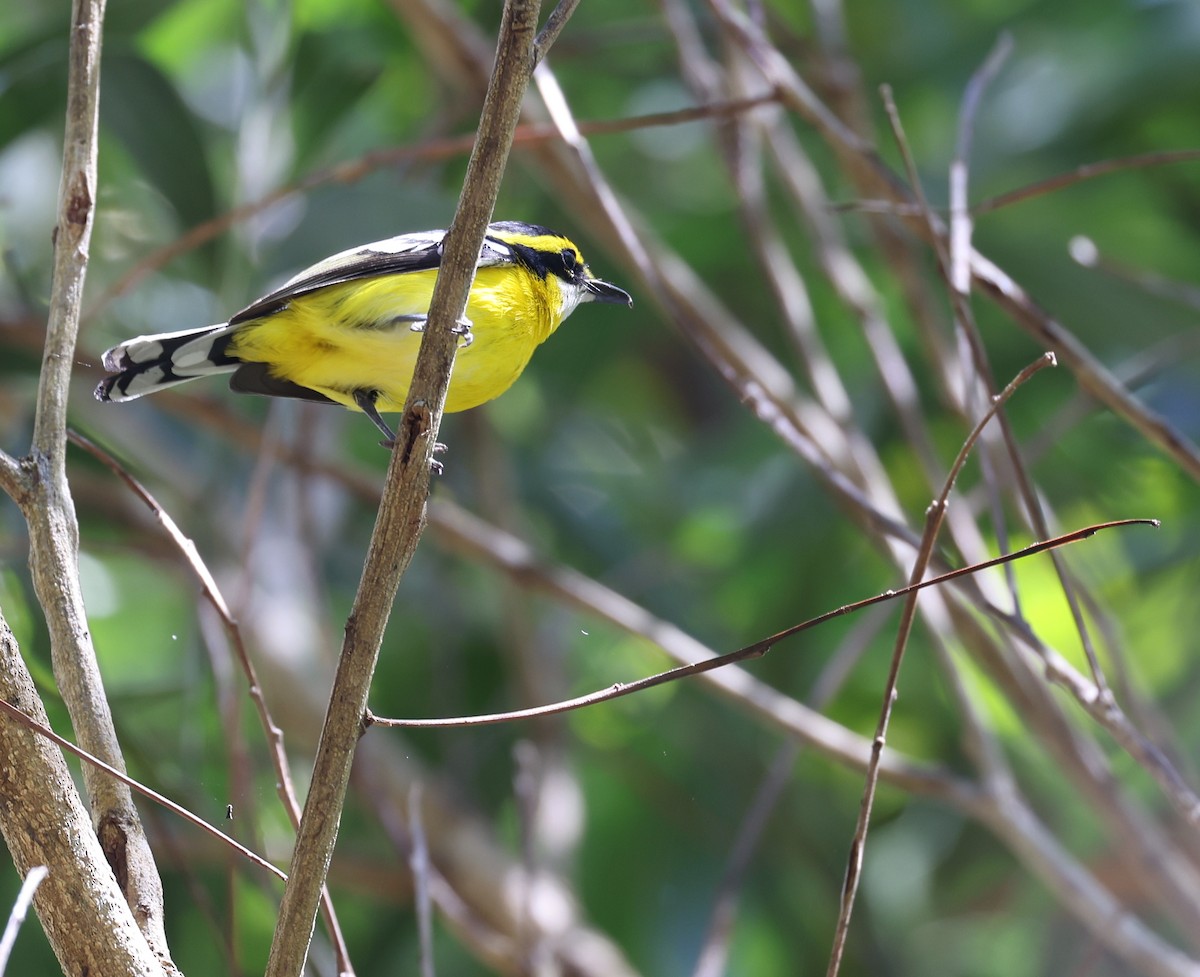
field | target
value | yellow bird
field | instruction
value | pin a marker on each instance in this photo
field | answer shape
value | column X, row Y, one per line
column 345, row 331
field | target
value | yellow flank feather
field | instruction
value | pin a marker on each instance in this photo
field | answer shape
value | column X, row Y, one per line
column 353, row 331
column 347, row 330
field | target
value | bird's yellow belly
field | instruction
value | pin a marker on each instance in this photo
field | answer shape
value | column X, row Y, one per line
column 354, row 336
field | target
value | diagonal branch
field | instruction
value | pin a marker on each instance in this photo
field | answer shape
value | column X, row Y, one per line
column 49, row 508
column 401, row 518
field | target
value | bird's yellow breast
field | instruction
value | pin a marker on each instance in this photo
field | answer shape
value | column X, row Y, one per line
column 354, row 336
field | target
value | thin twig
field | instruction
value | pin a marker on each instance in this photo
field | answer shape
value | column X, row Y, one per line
column 33, row 878
column 554, row 25
column 418, row 863
column 1088, row 171
column 284, row 786
column 960, row 215
column 32, row 724
column 933, row 522
column 758, row 648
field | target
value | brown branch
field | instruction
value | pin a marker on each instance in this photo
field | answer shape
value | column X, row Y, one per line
column 554, row 26
column 401, row 518
column 50, row 510
column 1088, row 171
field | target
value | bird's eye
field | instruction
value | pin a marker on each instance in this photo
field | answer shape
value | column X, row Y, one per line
column 569, row 259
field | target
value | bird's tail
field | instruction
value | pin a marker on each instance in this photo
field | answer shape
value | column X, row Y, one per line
column 146, row 364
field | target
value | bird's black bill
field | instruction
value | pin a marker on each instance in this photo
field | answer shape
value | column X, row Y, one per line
column 604, row 292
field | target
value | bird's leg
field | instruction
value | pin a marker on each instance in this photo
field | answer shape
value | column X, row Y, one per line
column 417, row 321
column 365, row 399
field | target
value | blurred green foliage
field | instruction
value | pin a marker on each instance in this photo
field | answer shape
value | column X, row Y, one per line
column 620, row 453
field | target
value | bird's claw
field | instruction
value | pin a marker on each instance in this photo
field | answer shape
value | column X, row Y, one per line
column 463, row 328
column 435, row 466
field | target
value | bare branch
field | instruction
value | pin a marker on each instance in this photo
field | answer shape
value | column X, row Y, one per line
column 554, row 26
column 933, row 523
column 49, row 508
column 960, row 216
column 401, row 518
column 16, row 917
column 12, row 480
column 1088, row 171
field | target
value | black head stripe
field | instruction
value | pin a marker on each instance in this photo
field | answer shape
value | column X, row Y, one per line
column 528, row 257
column 564, row 262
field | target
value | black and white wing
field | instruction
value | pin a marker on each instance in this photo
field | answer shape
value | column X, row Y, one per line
column 418, row 251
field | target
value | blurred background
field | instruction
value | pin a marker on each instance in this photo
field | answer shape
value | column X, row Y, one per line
column 241, row 142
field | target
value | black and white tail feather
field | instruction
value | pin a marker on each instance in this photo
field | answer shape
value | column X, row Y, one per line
column 147, row 364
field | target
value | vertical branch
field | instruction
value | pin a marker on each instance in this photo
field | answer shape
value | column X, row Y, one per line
column 72, row 234
column 47, row 503
column 401, row 519
column 960, row 212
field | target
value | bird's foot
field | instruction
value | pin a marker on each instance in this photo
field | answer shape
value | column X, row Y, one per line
column 435, row 466
column 463, row 330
